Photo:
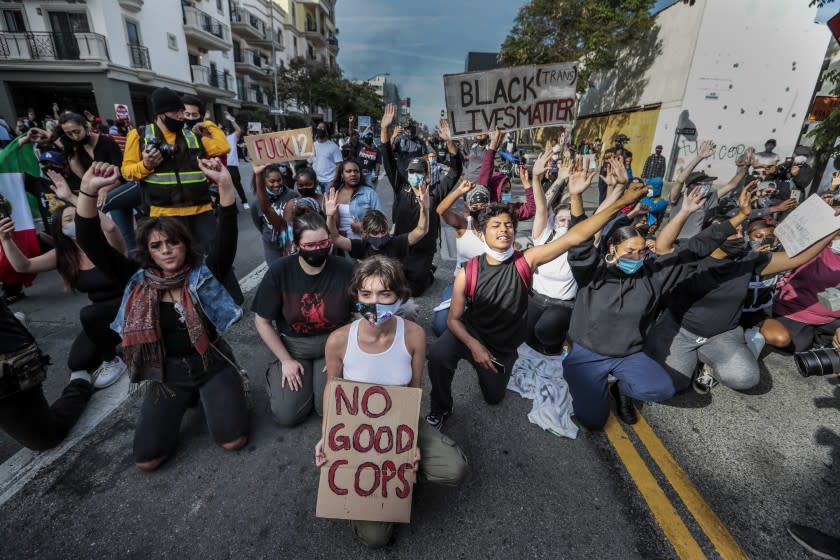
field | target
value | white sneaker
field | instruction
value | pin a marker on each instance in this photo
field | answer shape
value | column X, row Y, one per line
column 108, row 373
column 246, row 206
column 21, row 317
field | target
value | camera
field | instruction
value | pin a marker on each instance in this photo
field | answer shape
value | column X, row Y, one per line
column 166, row 150
column 819, row 361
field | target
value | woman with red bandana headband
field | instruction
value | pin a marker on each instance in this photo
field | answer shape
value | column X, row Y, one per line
column 305, row 296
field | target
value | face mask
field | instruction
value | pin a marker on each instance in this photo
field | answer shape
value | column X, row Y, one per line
column 835, row 246
column 379, row 241
column 172, row 125
column 734, row 248
column 414, row 180
column 369, row 141
column 69, row 230
column 192, row 122
column 629, row 266
column 432, row 161
column 506, row 197
column 482, row 142
column 560, row 230
column 475, row 214
column 555, row 157
column 320, row 133
column 316, row 257
column 499, row 256
column 78, row 143
column 377, row 313
column 650, row 193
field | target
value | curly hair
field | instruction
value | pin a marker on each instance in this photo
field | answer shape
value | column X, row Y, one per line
column 174, row 230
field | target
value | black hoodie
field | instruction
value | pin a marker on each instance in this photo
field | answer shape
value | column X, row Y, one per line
column 614, row 310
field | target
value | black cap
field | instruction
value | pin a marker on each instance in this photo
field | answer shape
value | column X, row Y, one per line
column 165, row 100
column 417, row 165
column 698, row 177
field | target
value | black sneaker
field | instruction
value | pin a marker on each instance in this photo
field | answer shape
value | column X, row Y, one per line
column 436, row 419
column 9, row 299
column 704, row 381
column 624, row 408
column 816, row 542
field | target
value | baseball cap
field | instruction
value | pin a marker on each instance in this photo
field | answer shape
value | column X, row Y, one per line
column 53, row 157
column 698, row 177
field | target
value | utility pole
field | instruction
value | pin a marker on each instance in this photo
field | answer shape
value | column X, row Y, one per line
column 274, row 62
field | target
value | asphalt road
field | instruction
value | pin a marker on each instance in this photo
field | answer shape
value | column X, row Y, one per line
column 757, row 461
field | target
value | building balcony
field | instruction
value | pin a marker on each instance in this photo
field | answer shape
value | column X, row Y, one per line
column 131, row 5
column 219, row 84
column 253, row 97
column 314, row 36
column 267, row 40
column 139, row 56
column 247, row 25
column 204, row 31
column 332, row 44
column 249, row 62
column 50, row 47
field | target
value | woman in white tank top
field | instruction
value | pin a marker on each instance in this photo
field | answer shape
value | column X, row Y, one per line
column 467, row 242
column 383, row 349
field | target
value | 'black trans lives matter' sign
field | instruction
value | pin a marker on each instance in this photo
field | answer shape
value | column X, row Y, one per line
column 510, row 98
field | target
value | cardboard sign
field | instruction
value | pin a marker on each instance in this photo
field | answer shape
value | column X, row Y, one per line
column 121, row 111
column 255, row 127
column 370, row 442
column 280, row 147
column 811, row 221
column 364, row 123
column 510, row 98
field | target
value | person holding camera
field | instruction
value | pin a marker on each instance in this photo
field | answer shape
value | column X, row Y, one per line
column 163, row 156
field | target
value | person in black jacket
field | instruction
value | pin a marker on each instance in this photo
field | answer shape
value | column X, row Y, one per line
column 406, row 211
column 618, row 297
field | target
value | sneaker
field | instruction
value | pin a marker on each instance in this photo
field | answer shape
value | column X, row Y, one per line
column 436, row 419
column 108, row 373
column 9, row 299
column 246, row 206
column 815, row 542
column 704, row 380
column 624, row 408
column 21, row 317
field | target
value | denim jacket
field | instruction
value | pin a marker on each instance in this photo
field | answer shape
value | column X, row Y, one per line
column 208, row 294
column 364, row 199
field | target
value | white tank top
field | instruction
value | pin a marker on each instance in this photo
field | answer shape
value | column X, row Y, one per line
column 467, row 246
column 391, row 367
column 345, row 221
column 554, row 278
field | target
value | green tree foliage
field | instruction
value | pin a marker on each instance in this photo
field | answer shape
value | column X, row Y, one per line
column 315, row 84
column 591, row 32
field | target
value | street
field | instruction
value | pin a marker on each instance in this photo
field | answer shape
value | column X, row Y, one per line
column 716, row 476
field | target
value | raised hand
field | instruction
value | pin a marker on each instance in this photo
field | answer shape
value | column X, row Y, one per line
column 784, row 206
column 214, row 170
column 423, row 198
column 619, row 171
column 331, row 202
column 443, row 130
column 707, row 150
column 748, row 195
column 7, row 226
column 388, row 115
column 633, row 192
column 835, row 181
column 523, row 175
column 579, row 180
column 464, row 187
column 694, row 201
column 541, row 163
column 59, row 185
column 258, row 169
column 564, row 167
column 496, row 138
column 100, row 175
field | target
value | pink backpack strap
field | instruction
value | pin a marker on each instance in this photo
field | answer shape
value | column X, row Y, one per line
column 523, row 268
column 471, row 278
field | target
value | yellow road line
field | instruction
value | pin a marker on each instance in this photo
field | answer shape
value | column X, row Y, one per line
column 666, row 516
column 724, row 542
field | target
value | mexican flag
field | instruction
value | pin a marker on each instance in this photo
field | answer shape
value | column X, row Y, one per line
column 15, row 160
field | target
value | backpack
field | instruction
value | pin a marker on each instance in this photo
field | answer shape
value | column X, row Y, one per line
column 471, row 273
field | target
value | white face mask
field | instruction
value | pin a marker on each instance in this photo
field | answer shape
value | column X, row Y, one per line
column 560, row 230
column 69, row 230
column 499, row 256
column 835, row 246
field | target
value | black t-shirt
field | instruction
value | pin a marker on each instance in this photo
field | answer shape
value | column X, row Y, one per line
column 368, row 157
column 397, row 248
column 13, row 335
column 302, row 304
column 97, row 285
column 105, row 150
column 498, row 312
column 709, row 302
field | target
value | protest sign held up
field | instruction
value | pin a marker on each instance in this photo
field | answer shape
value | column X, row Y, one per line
column 280, row 147
column 510, row 98
column 370, row 439
column 810, row 222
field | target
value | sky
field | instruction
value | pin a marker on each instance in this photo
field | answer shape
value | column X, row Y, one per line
column 418, row 42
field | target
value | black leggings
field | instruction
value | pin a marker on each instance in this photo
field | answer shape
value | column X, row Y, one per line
column 222, row 397
column 96, row 343
column 34, row 424
column 237, row 183
column 548, row 325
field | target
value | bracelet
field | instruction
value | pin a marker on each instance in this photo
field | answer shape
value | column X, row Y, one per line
column 88, row 194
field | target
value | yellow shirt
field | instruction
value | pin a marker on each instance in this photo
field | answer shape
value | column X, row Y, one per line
column 133, row 169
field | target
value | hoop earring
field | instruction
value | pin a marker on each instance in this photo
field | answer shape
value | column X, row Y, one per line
column 608, row 260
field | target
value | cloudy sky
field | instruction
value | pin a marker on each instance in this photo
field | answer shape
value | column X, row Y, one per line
column 418, row 42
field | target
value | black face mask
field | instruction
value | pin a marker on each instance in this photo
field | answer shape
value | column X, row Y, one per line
column 320, row 133
column 316, row 257
column 474, row 215
column 77, row 143
column 369, row 141
column 172, row 125
column 482, row 142
column 307, row 192
column 191, row 122
column 735, row 248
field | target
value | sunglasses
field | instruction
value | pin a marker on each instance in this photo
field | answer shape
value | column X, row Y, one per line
column 323, row 244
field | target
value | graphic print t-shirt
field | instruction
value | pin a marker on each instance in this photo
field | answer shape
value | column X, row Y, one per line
column 368, row 157
column 304, row 305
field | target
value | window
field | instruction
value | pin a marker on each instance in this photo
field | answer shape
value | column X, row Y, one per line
column 133, row 32
column 220, row 7
column 172, row 41
column 14, row 20
column 69, row 22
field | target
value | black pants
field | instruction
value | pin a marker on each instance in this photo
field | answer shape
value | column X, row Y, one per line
column 419, row 272
column 34, row 424
column 548, row 324
column 804, row 337
column 237, row 183
column 443, row 357
column 222, row 398
column 96, row 343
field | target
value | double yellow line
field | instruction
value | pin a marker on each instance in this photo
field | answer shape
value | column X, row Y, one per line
column 666, row 515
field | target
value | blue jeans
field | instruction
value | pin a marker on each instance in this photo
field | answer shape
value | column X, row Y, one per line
column 120, row 203
column 439, row 320
column 324, row 186
column 639, row 376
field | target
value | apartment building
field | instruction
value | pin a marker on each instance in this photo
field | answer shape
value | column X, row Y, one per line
column 93, row 54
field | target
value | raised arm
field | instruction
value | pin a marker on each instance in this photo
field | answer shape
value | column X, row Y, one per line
column 540, row 204
column 20, row 262
column 422, row 228
column 707, row 149
column 668, row 234
column 223, row 254
column 388, row 157
column 488, row 162
column 236, row 129
column 780, row 262
column 736, row 179
column 444, row 208
column 331, row 209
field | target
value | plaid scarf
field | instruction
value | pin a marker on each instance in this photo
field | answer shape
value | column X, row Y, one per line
column 142, row 346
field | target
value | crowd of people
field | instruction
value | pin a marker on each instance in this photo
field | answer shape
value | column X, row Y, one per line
column 666, row 285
